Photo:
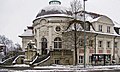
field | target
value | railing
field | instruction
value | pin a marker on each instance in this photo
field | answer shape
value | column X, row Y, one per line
column 40, row 58
column 9, row 60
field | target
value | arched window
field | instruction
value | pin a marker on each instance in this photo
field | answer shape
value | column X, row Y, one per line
column 44, row 42
column 44, row 45
column 57, row 42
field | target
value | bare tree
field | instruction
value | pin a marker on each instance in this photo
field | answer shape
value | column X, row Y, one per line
column 76, row 6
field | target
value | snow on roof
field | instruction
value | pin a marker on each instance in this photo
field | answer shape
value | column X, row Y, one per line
column 27, row 32
column 114, row 34
column 55, row 15
column 54, row 9
column 116, row 24
column 2, row 45
column 94, row 20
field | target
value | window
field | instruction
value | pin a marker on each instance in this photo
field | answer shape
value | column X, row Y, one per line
column 100, row 28
column 57, row 42
column 44, row 45
column 108, row 44
column 57, row 61
column 58, row 28
column 115, row 45
column 100, row 44
column 91, row 43
column 108, row 29
column 80, row 59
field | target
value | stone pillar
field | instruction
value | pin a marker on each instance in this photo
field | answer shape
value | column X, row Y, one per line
column 112, row 46
column 38, row 42
column 104, row 45
column 87, row 55
column 50, row 37
column 96, row 45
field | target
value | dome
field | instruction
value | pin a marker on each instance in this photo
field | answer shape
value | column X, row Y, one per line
column 54, row 8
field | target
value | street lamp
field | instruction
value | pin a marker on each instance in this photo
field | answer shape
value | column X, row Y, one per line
column 84, row 34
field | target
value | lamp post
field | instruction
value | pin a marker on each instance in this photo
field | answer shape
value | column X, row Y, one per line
column 84, row 34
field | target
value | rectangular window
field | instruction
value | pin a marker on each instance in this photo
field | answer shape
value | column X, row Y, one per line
column 100, row 44
column 91, row 43
column 108, row 44
column 80, row 59
column 57, row 61
column 108, row 29
column 115, row 45
column 100, row 28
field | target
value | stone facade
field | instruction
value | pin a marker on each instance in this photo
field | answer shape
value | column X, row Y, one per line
column 54, row 33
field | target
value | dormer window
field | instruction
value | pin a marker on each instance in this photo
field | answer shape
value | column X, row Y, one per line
column 108, row 29
column 100, row 28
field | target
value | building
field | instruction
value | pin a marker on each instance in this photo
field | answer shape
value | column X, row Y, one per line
column 53, row 32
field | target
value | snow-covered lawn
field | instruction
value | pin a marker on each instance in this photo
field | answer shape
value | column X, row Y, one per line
column 78, row 67
column 65, row 68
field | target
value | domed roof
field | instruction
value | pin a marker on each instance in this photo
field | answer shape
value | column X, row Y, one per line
column 54, row 8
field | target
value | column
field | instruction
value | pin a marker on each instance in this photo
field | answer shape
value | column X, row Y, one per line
column 50, row 37
column 38, row 42
column 104, row 45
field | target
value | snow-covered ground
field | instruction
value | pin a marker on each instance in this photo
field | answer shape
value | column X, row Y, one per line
column 63, row 68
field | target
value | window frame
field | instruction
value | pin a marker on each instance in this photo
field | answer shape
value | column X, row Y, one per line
column 57, row 61
column 108, row 29
column 81, row 59
column 91, row 43
column 100, row 43
column 57, row 28
column 57, row 43
column 100, row 28
column 108, row 44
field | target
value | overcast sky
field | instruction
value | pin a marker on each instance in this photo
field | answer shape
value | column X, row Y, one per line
column 16, row 15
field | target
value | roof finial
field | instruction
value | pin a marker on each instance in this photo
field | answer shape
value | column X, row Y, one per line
column 54, row 2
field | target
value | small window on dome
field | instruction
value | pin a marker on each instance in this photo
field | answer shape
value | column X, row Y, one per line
column 58, row 28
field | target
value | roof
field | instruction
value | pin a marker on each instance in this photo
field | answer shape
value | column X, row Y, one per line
column 27, row 33
column 2, row 45
column 55, row 15
column 116, row 24
column 94, row 20
column 54, row 8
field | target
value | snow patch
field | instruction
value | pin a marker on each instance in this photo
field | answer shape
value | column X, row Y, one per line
column 43, row 60
column 34, row 59
column 55, row 15
column 28, row 32
column 21, row 65
column 17, row 58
